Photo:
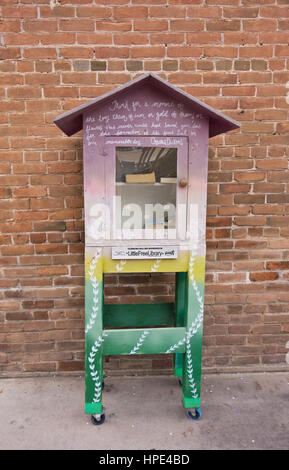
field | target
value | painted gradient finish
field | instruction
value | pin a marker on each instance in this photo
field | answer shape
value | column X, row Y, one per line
column 125, row 122
column 145, row 117
column 185, row 341
column 148, row 112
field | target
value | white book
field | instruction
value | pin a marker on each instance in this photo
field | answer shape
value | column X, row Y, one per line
column 168, row 180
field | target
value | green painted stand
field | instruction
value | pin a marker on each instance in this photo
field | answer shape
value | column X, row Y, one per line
column 162, row 328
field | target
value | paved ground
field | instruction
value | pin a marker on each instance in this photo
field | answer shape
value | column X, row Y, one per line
column 240, row 411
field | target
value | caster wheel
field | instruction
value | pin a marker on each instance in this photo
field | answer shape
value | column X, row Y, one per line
column 99, row 420
column 180, row 382
column 195, row 416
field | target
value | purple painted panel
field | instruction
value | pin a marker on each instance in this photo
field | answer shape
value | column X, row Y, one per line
column 145, row 111
column 197, row 190
column 72, row 121
column 143, row 115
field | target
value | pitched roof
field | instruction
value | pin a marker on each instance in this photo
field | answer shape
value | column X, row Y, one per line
column 71, row 121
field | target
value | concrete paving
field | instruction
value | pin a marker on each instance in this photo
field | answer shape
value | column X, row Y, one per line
column 240, row 411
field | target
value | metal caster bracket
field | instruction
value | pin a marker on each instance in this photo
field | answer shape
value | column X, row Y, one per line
column 98, row 419
column 196, row 415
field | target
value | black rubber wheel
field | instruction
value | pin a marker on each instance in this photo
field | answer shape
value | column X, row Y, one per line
column 102, row 384
column 98, row 421
column 196, row 416
column 180, row 382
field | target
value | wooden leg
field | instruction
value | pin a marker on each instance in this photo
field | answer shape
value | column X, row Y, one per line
column 94, row 334
column 194, row 310
column 179, row 317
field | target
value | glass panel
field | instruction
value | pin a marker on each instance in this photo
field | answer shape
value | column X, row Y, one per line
column 146, row 182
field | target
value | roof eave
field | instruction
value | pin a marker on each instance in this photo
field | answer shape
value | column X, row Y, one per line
column 71, row 121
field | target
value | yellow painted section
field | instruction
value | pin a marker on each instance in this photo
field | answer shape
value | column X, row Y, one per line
column 147, row 265
column 97, row 265
column 198, row 268
column 93, row 267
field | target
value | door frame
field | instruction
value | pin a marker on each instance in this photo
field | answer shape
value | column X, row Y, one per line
column 181, row 144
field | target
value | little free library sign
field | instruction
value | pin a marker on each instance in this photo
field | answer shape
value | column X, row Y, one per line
column 163, row 252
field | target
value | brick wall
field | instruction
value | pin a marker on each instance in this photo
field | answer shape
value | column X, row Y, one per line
column 56, row 54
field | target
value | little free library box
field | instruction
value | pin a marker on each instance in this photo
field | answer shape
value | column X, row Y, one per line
column 145, row 178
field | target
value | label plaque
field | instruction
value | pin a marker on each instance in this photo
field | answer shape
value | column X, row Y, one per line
column 139, row 252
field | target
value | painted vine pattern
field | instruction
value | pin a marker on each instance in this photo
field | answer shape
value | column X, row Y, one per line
column 95, row 290
column 93, row 372
column 156, row 265
column 120, row 265
column 196, row 324
column 140, row 342
column 190, row 369
column 198, row 321
column 194, row 327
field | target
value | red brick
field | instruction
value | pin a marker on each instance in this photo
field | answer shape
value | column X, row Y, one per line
column 219, row 77
column 19, row 11
column 109, row 25
column 223, row 25
column 150, row 25
column 241, row 12
column 260, row 25
column 168, row 12
column 221, row 51
column 10, row 26
column 147, row 51
column 255, row 77
column 202, row 38
column 20, row 39
column 94, row 38
column 41, row 79
column 7, row 53
column 180, row 77
column 278, row 37
column 63, row 38
column 277, row 265
column 219, row 222
column 76, row 52
column 245, row 176
column 35, row 191
column 258, row 51
column 251, row 220
column 240, row 38
column 274, row 12
column 40, row 53
column 76, row 25
column 268, row 209
column 93, row 12
column 204, row 12
column 272, row 164
column 131, row 39
column 16, row 227
column 263, row 276
column 86, row 78
column 116, row 78
column 130, row 12
column 38, row 26
column 187, row 25
column 29, row 168
column 112, row 52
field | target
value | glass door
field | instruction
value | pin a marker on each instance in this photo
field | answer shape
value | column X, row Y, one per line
column 149, row 180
